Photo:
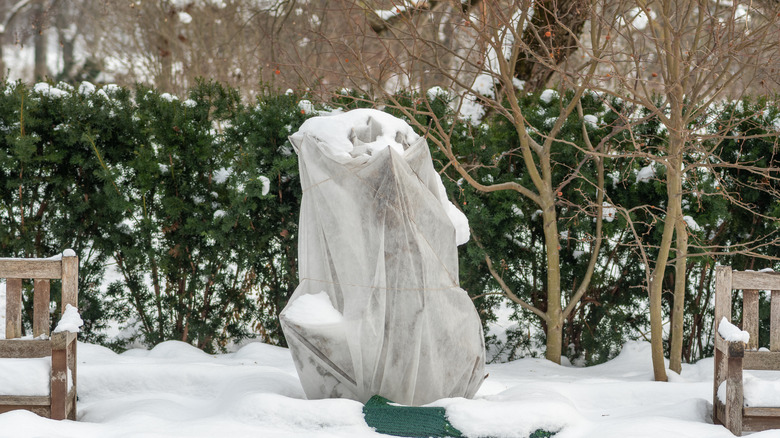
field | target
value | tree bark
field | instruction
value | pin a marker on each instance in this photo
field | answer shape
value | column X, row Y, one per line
column 40, row 70
column 68, row 46
column 656, row 291
column 678, row 312
column 563, row 19
column 554, row 311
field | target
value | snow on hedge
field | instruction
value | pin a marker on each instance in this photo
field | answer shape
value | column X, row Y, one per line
column 692, row 223
column 608, row 212
column 548, row 95
column 645, row 174
column 48, row 90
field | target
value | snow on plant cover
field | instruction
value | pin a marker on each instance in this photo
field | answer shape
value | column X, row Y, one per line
column 338, row 130
column 314, row 309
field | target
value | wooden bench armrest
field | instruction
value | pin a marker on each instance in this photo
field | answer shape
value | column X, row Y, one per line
column 61, row 340
column 730, row 349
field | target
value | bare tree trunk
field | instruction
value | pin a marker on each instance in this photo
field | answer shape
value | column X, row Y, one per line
column 563, row 19
column 656, row 286
column 165, row 80
column 67, row 43
column 11, row 14
column 40, row 71
column 554, row 311
column 678, row 310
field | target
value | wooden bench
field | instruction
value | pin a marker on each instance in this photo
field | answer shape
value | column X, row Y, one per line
column 733, row 357
column 61, row 401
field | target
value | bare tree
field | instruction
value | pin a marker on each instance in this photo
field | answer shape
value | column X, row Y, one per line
column 481, row 58
column 678, row 59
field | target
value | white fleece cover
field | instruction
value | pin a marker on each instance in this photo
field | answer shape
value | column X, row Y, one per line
column 376, row 238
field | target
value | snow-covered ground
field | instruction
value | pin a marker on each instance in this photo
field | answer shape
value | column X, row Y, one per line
column 176, row 390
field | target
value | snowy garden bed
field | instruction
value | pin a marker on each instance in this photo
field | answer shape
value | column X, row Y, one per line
column 176, row 390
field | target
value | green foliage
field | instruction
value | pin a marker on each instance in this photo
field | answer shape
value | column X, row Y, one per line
column 184, row 213
column 193, row 204
column 507, row 226
column 56, row 191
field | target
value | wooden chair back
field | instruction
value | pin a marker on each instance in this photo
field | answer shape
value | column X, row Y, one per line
column 733, row 357
column 41, row 272
column 61, row 401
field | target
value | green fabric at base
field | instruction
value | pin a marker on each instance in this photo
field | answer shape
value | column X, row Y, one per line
column 417, row 422
column 407, row 421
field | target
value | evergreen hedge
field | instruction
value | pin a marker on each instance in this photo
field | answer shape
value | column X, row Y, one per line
column 191, row 207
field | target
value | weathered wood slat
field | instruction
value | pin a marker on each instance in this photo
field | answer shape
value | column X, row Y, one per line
column 20, row 400
column 730, row 349
column 70, row 281
column 759, row 423
column 30, row 268
column 774, row 322
column 721, row 344
column 723, row 290
column 720, row 376
column 61, row 340
column 59, row 384
column 13, row 308
column 41, row 300
column 24, row 349
column 719, row 410
column 734, row 396
column 71, row 405
column 755, row 280
column 750, row 316
column 761, row 360
column 73, row 362
column 762, row 412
